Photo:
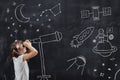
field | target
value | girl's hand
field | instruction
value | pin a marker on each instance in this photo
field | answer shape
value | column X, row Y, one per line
column 27, row 43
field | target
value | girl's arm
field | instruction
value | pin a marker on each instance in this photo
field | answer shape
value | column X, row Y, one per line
column 32, row 51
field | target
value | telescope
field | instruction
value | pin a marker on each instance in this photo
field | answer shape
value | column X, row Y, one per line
column 53, row 37
column 47, row 38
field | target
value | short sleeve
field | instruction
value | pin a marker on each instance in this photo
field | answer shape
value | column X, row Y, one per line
column 19, row 59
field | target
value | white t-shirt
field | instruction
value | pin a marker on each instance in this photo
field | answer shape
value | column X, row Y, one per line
column 21, row 68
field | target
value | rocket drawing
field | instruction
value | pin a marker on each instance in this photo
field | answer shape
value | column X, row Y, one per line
column 84, row 35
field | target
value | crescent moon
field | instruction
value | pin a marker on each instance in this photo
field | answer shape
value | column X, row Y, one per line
column 19, row 15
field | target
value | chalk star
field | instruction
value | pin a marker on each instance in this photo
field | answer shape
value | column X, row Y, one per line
column 8, row 10
column 37, row 30
column 95, row 70
column 102, row 74
column 8, row 28
column 39, row 5
column 14, row 3
column 103, row 64
column 109, row 69
column 109, row 77
column 11, row 35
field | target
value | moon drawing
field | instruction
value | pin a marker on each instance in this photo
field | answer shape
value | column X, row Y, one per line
column 117, row 75
column 19, row 15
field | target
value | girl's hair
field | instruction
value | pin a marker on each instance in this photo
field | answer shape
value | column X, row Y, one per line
column 14, row 48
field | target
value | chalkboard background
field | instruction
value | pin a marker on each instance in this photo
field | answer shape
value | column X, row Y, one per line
column 30, row 19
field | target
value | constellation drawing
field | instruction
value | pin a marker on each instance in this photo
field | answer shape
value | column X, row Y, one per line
column 47, row 38
column 77, row 61
column 43, row 12
column 95, row 12
column 78, row 40
column 55, row 10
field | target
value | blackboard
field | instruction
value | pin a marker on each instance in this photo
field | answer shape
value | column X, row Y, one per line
column 79, row 38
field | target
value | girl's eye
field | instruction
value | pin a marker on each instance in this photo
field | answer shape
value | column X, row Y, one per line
column 15, row 49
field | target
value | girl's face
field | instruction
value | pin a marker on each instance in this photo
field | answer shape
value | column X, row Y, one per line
column 21, row 49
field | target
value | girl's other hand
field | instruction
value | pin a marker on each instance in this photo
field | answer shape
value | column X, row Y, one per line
column 27, row 43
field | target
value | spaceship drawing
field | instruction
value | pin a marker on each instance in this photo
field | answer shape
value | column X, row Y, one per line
column 79, row 39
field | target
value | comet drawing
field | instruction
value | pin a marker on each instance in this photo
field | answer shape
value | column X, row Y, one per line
column 79, row 39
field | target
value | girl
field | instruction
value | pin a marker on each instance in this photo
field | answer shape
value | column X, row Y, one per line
column 20, row 55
